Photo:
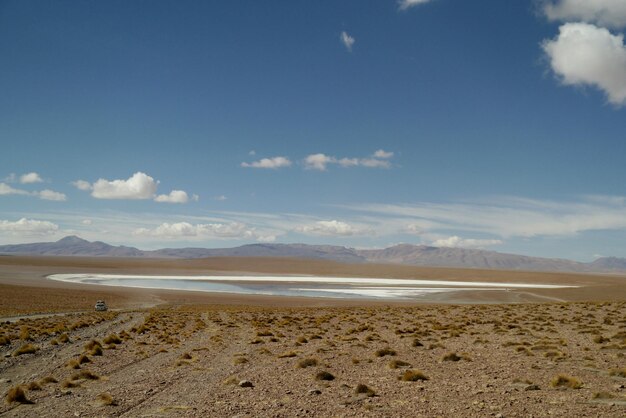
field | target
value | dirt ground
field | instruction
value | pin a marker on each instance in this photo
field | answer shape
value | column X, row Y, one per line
column 184, row 354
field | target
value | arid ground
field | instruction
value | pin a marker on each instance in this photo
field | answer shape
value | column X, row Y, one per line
column 548, row 352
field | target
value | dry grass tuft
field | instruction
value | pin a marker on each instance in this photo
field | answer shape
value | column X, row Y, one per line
column 69, row 384
column 288, row 354
column 25, row 349
column 48, row 379
column 307, row 362
column 34, row 386
column 618, row 372
column 17, row 394
column 362, row 389
column 385, row 352
column 324, row 376
column 394, row 364
column 413, row 376
column 106, row 399
column 565, row 381
column 451, row 357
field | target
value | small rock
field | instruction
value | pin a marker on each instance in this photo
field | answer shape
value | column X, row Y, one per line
column 315, row 392
column 5, row 380
column 246, row 384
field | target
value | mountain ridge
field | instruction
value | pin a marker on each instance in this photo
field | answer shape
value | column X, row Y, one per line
column 406, row 254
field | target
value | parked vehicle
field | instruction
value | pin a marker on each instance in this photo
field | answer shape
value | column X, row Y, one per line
column 101, row 306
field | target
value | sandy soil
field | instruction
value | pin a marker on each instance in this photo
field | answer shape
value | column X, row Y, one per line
column 187, row 355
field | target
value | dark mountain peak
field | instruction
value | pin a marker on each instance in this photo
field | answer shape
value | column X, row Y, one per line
column 72, row 239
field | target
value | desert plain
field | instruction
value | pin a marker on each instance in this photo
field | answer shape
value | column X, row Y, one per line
column 508, row 353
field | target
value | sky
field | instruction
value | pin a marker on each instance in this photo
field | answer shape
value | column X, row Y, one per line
column 489, row 124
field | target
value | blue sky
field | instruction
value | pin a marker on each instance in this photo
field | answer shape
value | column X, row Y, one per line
column 488, row 124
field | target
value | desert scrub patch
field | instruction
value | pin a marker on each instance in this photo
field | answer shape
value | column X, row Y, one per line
column 307, row 362
column 365, row 390
column 565, row 381
column 68, row 384
column 324, row 375
column 240, row 360
column 85, row 374
column 17, row 395
column 63, row 338
column 25, row 349
column 385, row 352
column 394, row 364
column 413, row 376
column 186, row 356
column 288, row 354
column 599, row 339
column 48, row 379
column 112, row 339
column 106, row 399
column 618, row 372
column 94, row 348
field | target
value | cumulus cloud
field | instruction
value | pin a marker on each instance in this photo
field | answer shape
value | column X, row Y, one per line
column 380, row 159
column 28, row 227
column 347, row 40
column 407, row 4
column 329, row 228
column 271, row 163
column 458, row 242
column 609, row 13
column 30, row 178
column 175, row 196
column 583, row 54
column 232, row 230
column 137, row 186
column 51, row 195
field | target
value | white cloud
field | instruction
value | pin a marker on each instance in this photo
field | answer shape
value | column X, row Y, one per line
column 347, row 40
column 5, row 189
column 195, row 197
column 30, row 178
column 138, row 186
column 232, row 230
column 221, row 198
column 175, row 196
column 510, row 217
column 380, row 159
column 406, row 4
column 51, row 195
column 610, row 13
column 272, row 163
column 318, row 161
column 329, row 228
column 583, row 54
column 28, row 227
column 82, row 185
column 86, row 222
column 458, row 242
column 383, row 154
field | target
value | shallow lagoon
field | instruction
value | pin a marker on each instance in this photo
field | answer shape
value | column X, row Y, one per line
column 303, row 286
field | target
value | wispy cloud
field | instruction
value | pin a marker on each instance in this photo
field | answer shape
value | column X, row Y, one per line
column 330, row 228
column 347, row 40
column 509, row 216
column 320, row 161
column 46, row 194
column 178, row 230
column 407, row 4
column 269, row 163
column 609, row 13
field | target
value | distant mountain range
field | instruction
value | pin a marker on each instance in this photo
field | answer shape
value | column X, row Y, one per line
column 415, row 255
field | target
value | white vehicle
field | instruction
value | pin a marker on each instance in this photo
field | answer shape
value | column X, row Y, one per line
column 101, row 306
